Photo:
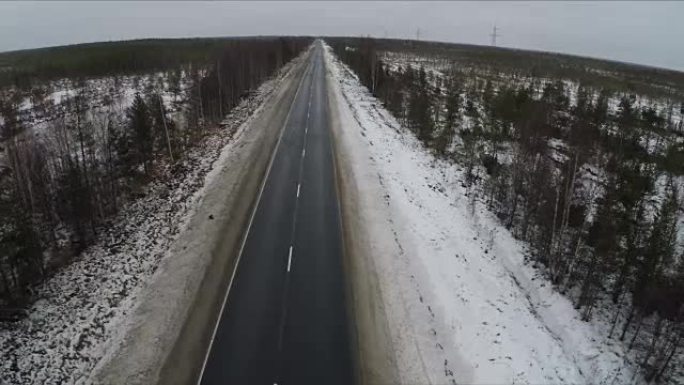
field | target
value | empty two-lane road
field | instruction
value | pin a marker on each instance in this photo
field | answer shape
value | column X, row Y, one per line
column 284, row 320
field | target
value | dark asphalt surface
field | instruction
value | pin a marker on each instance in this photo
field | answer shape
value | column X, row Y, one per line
column 285, row 320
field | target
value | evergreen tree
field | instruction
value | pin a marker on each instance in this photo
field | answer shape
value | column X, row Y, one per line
column 135, row 146
column 419, row 112
column 451, row 119
column 9, row 112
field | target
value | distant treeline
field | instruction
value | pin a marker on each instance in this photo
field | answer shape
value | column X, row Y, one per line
column 23, row 68
column 607, row 74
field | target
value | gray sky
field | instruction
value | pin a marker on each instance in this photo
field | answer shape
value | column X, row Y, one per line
column 641, row 32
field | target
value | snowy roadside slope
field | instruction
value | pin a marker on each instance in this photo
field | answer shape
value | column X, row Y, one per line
column 83, row 311
column 462, row 305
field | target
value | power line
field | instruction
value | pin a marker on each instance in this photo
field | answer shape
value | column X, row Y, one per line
column 494, row 35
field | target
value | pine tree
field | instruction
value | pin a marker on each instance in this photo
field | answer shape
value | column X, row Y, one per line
column 135, row 146
column 9, row 111
column 660, row 246
column 419, row 111
column 451, row 119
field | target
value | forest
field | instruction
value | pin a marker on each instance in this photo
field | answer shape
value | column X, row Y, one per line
column 72, row 157
column 579, row 158
column 35, row 66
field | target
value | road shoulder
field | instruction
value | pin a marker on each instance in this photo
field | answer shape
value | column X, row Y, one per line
column 372, row 352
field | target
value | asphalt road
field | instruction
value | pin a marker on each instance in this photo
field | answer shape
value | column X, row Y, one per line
column 284, row 320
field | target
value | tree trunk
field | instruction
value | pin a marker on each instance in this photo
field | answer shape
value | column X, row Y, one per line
column 615, row 319
column 636, row 332
column 220, row 101
column 553, row 264
column 166, row 128
column 654, row 339
column 675, row 346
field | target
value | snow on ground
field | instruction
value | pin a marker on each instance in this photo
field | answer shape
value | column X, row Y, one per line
column 473, row 311
column 80, row 312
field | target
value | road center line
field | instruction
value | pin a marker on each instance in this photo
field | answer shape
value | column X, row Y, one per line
column 307, row 72
column 294, row 229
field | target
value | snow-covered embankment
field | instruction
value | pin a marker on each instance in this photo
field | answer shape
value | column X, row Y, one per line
column 450, row 296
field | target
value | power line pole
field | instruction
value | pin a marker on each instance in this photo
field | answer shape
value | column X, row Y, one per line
column 494, row 35
column 418, row 34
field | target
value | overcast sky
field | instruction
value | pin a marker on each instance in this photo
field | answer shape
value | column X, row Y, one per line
column 642, row 32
